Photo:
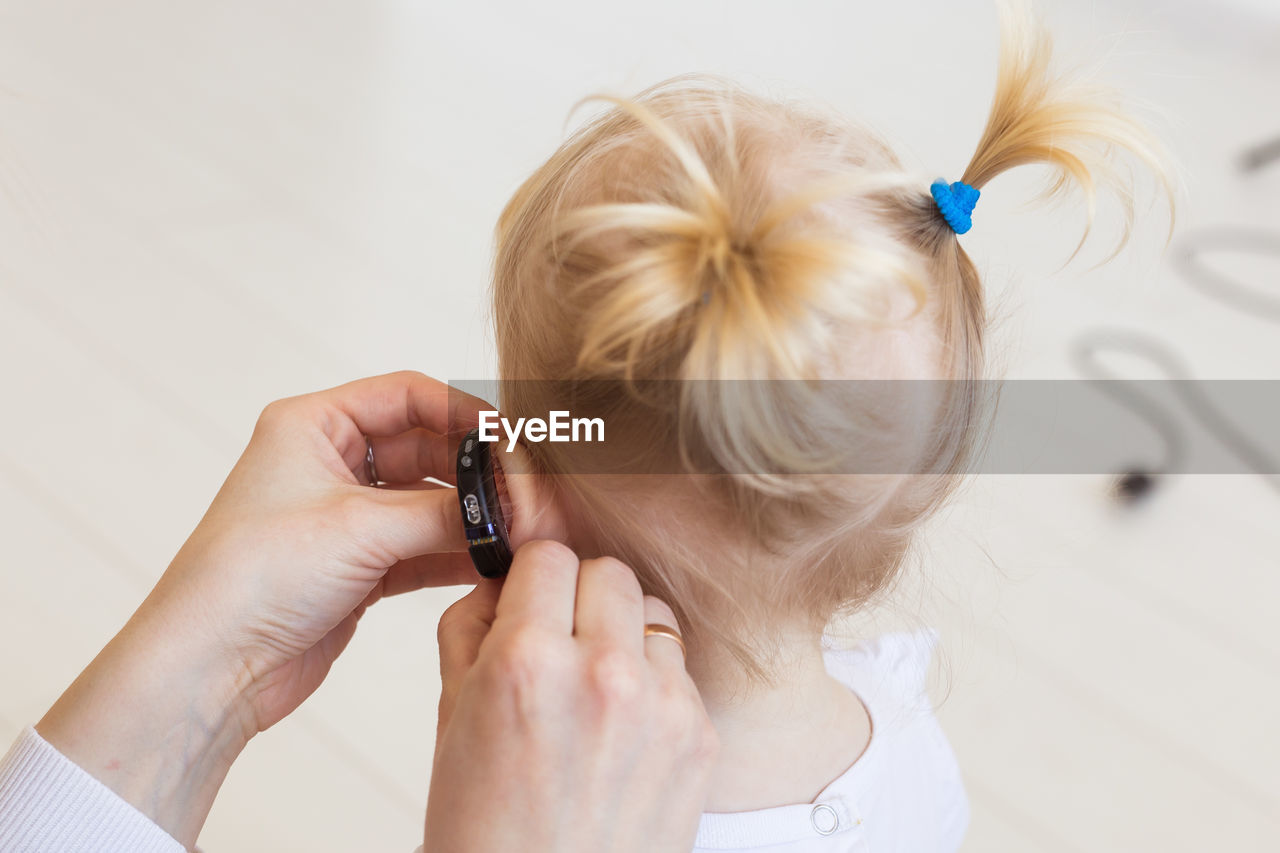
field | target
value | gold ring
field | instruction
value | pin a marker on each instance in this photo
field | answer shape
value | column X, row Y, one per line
column 657, row 629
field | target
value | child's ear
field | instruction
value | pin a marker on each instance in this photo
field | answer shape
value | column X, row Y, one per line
column 530, row 502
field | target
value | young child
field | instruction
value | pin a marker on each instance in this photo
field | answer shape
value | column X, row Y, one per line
column 703, row 235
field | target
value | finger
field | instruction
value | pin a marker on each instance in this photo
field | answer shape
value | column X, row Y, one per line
column 397, row 402
column 664, row 653
column 429, row 570
column 407, row 523
column 610, row 606
column 540, row 587
column 463, row 628
column 412, row 456
column 388, row 405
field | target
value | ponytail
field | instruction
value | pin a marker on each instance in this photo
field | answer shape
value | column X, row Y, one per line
column 1055, row 119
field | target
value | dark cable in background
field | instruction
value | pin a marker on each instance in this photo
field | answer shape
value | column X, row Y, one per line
column 1188, row 257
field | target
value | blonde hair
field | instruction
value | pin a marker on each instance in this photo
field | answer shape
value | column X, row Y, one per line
column 704, row 234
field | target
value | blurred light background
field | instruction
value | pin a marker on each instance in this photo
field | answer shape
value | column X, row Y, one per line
column 208, row 206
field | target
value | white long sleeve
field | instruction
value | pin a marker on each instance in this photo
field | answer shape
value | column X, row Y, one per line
column 49, row 804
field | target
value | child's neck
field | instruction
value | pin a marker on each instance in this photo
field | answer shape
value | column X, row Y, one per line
column 781, row 744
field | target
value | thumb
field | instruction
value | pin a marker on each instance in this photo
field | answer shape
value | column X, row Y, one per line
column 462, row 629
column 406, row 523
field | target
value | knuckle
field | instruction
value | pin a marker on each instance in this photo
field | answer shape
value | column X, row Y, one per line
column 446, row 520
column 278, row 415
column 612, row 566
column 675, row 713
column 618, row 575
column 273, row 413
column 657, row 610
column 352, row 509
column 614, row 678
column 522, row 660
column 411, row 381
column 684, row 722
column 706, row 743
column 448, row 623
column 546, row 555
column 427, row 459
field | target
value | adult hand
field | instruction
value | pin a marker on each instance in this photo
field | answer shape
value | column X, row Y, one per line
column 562, row 727
column 266, row 592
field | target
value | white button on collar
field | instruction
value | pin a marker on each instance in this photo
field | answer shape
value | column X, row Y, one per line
column 824, row 819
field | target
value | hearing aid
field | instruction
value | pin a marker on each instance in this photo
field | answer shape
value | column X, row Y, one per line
column 482, row 519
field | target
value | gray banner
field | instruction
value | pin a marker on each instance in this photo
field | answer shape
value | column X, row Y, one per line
column 889, row 427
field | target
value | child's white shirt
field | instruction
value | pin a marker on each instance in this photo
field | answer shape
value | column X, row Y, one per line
column 903, row 794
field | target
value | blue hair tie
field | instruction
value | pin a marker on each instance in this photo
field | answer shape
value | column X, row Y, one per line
column 956, row 203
